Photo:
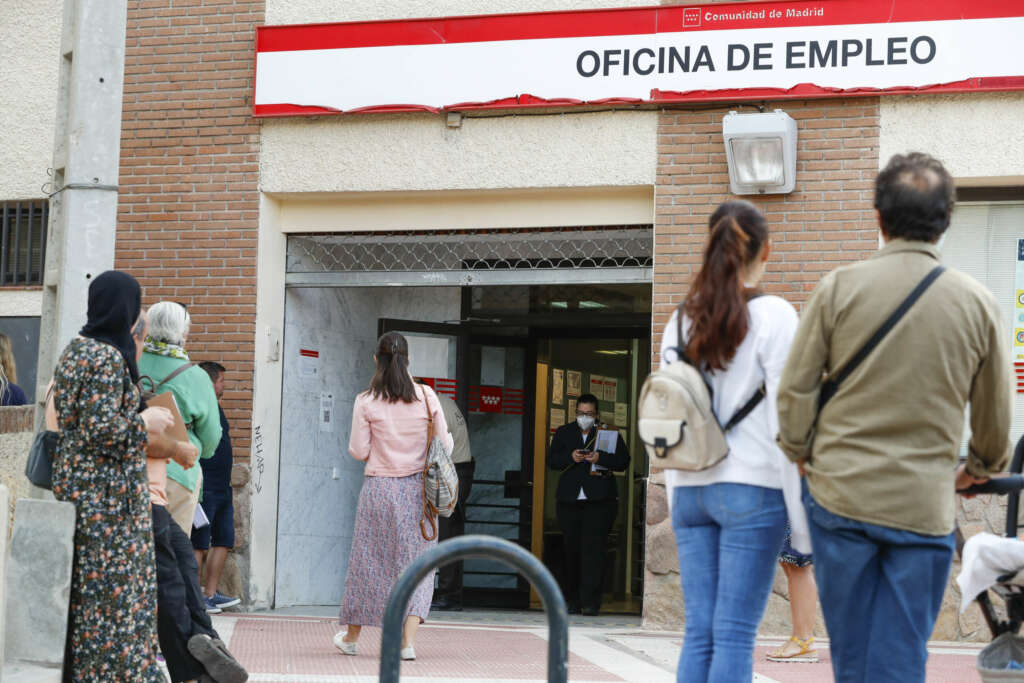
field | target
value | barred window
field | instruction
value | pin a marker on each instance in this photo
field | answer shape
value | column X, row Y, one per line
column 23, row 241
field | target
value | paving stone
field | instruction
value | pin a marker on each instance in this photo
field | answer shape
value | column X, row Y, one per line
column 39, row 577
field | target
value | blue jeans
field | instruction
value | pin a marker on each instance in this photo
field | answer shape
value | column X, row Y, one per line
column 880, row 590
column 728, row 537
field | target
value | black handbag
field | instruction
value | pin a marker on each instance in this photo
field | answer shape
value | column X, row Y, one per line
column 39, row 468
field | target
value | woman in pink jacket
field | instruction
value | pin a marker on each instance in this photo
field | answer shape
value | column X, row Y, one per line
column 389, row 433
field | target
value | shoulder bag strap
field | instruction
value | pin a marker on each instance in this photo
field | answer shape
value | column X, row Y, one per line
column 831, row 385
column 429, row 516
column 177, row 371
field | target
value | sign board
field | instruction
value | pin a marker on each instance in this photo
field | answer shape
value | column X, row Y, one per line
column 714, row 52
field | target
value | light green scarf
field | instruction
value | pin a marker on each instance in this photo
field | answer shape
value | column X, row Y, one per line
column 162, row 348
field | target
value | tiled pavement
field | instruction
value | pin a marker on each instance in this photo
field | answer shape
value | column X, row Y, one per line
column 294, row 646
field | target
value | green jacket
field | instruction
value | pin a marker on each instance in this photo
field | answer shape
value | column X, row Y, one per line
column 197, row 401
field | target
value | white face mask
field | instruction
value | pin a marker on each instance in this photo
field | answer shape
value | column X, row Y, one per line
column 585, row 422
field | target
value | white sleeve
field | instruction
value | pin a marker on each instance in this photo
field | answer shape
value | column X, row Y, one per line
column 669, row 339
column 773, row 355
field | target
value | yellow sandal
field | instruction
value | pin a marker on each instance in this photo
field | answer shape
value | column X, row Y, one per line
column 806, row 652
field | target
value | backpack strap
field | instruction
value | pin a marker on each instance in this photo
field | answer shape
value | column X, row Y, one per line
column 747, row 408
column 830, row 386
column 177, row 371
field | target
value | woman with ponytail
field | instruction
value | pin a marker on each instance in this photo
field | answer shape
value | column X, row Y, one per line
column 730, row 519
column 389, row 434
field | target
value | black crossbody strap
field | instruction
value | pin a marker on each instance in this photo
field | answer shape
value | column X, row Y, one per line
column 831, row 385
column 747, row 408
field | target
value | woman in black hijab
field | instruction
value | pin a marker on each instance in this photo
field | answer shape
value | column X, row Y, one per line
column 100, row 466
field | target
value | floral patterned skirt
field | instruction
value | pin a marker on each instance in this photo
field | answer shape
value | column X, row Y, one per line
column 386, row 540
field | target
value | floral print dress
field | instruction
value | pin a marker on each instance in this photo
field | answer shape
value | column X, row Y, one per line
column 100, row 466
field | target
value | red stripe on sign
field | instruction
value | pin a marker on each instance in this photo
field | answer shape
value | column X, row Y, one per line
column 800, row 92
column 309, row 353
column 623, row 22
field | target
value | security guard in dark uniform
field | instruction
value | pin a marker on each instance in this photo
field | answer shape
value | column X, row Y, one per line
column 587, row 498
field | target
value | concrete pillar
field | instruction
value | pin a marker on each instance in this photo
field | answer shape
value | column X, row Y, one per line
column 38, row 585
column 86, row 158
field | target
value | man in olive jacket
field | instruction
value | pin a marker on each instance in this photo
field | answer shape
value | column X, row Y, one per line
column 587, row 498
column 881, row 455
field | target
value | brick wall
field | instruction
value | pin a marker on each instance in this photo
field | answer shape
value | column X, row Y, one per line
column 187, row 223
column 829, row 219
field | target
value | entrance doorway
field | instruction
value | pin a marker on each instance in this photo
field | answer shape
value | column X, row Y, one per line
column 516, row 377
column 489, row 318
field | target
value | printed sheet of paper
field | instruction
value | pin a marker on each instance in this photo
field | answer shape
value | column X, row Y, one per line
column 611, row 389
column 557, row 386
column 326, row 412
column 574, row 383
column 557, row 417
column 597, row 386
column 607, row 439
column 621, row 414
column 572, row 409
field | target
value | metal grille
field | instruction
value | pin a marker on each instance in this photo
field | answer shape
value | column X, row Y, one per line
column 490, row 250
column 23, row 241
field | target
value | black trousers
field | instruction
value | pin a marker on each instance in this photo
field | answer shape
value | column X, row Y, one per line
column 449, row 577
column 181, row 611
column 585, row 526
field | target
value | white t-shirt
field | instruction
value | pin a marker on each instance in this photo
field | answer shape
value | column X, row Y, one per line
column 754, row 458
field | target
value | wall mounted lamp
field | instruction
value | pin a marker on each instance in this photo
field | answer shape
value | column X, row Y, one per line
column 761, row 151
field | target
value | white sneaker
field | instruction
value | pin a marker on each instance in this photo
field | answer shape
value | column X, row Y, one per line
column 408, row 653
column 339, row 642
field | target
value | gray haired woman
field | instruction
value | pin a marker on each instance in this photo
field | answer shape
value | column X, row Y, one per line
column 165, row 361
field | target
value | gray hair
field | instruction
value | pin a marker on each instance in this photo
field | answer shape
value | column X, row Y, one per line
column 168, row 322
column 140, row 326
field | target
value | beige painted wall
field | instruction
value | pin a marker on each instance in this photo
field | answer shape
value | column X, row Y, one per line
column 30, row 55
column 978, row 137
column 21, row 303
column 318, row 11
column 401, row 152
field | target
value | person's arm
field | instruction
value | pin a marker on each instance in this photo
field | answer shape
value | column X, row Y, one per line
column 359, row 440
column 800, row 382
column 206, row 425
column 991, row 405
column 669, row 339
column 440, row 423
column 773, row 356
column 94, row 408
column 559, row 453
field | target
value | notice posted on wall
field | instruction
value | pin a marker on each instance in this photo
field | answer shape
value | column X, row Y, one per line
column 573, row 383
column 621, row 414
column 572, row 409
column 611, row 389
column 326, row 412
column 597, row 386
column 309, row 363
column 1018, row 311
column 557, row 418
column 557, row 386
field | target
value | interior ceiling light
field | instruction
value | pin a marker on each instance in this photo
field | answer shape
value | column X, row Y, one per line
column 612, row 352
column 592, row 304
column 761, row 151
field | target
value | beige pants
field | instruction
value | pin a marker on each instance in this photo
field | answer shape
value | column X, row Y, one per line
column 181, row 502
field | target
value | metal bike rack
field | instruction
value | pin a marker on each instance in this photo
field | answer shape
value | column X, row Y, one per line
column 463, row 548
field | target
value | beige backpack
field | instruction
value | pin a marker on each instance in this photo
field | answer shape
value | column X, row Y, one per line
column 676, row 421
